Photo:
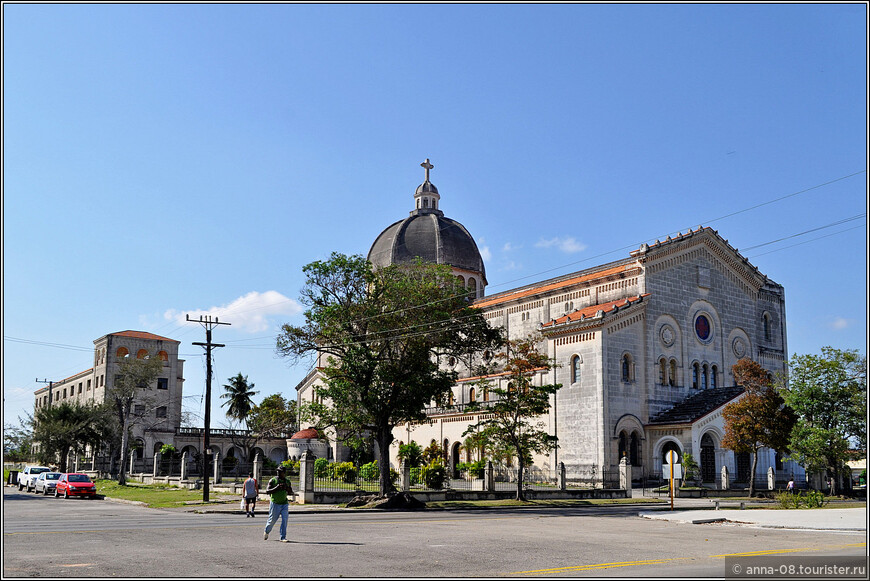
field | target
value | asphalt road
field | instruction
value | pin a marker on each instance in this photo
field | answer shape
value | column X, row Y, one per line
column 50, row 537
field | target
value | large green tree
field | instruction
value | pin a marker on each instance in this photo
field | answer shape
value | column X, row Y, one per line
column 273, row 417
column 759, row 419
column 17, row 441
column 513, row 421
column 239, row 394
column 379, row 335
column 64, row 427
column 133, row 379
column 828, row 392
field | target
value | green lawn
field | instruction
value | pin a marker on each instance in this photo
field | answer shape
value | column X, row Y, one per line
column 156, row 495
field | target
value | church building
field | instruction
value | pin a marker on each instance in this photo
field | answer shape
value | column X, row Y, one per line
column 644, row 347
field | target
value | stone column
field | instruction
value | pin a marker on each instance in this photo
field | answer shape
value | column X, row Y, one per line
column 726, row 484
column 77, row 462
column 771, row 478
column 184, row 466
column 156, row 464
column 258, row 467
column 406, row 476
column 625, row 476
column 217, row 467
column 132, row 459
column 306, row 478
column 489, row 477
column 563, row 483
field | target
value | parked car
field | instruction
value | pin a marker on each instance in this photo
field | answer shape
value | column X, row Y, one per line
column 75, row 484
column 27, row 477
column 46, row 482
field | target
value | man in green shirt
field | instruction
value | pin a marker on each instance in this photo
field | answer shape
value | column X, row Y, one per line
column 278, row 489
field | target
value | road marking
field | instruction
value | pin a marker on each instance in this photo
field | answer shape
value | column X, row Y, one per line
column 664, row 561
column 77, row 565
column 601, row 566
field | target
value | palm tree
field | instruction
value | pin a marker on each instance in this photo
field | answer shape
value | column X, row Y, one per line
column 238, row 395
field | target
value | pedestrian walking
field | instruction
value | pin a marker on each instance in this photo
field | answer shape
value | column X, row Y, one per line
column 790, row 486
column 249, row 494
column 278, row 489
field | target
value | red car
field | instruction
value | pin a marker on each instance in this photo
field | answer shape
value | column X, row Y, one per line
column 75, row 484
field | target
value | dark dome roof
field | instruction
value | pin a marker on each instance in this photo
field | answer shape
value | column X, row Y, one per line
column 431, row 237
column 427, row 187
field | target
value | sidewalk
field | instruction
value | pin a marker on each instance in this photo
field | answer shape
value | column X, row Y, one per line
column 759, row 514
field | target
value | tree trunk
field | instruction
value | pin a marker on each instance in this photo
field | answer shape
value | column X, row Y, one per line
column 521, row 468
column 384, row 439
column 752, row 473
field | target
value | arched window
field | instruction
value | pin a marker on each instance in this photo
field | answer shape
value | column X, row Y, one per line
column 425, row 202
column 485, row 394
column 575, row 369
column 122, row 352
column 696, row 371
column 471, row 395
column 704, row 374
column 626, row 368
column 472, row 287
column 766, row 324
column 142, row 354
column 663, row 371
column 714, row 377
column 672, row 373
column 163, row 355
column 623, row 445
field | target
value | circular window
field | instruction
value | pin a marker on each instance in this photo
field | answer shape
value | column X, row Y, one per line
column 702, row 328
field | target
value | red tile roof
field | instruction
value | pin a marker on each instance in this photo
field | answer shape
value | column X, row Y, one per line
column 487, row 302
column 142, row 335
column 591, row 310
column 306, row 434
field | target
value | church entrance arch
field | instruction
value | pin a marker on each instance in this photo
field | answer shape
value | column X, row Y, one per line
column 708, row 459
column 744, row 462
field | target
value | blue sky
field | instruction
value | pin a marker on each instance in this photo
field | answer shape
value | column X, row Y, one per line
column 167, row 159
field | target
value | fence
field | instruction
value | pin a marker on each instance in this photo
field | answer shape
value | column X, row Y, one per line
column 504, row 480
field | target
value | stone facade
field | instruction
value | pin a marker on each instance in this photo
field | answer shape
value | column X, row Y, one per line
column 631, row 339
column 158, row 409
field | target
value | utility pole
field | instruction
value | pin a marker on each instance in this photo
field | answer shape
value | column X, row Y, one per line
column 208, row 345
column 50, row 384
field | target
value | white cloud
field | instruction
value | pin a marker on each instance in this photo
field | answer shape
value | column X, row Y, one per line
column 485, row 253
column 508, row 247
column 840, row 323
column 512, row 266
column 248, row 313
column 568, row 245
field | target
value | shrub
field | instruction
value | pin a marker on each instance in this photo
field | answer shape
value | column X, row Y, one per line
column 292, row 466
column 473, row 469
column 369, row 471
column 812, row 499
column 344, row 471
column 434, row 475
column 321, row 468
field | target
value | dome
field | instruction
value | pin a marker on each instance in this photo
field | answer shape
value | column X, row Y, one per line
column 427, row 234
column 306, row 434
column 431, row 237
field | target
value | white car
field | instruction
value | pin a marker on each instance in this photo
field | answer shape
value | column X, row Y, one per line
column 46, row 482
column 27, row 477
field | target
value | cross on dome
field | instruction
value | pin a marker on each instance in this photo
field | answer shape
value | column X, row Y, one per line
column 427, row 166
